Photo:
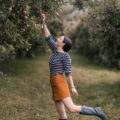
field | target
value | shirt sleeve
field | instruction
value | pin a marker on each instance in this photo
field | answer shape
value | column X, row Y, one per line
column 51, row 43
column 67, row 65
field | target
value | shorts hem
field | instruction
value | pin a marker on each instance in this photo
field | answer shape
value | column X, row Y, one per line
column 61, row 98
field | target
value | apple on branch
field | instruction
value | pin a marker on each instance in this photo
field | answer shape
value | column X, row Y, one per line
column 27, row 25
column 104, row 17
column 98, row 25
column 5, row 25
column 23, row 30
column 10, row 9
column 41, row 14
column 25, row 12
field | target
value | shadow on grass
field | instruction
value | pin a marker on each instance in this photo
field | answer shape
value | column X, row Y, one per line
column 82, row 61
column 21, row 66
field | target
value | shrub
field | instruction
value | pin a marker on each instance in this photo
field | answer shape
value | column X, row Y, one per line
column 98, row 36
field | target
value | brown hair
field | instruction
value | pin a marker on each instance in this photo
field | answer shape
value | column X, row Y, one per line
column 68, row 44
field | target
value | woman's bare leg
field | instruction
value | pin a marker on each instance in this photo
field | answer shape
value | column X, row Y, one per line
column 85, row 110
column 70, row 105
column 60, row 109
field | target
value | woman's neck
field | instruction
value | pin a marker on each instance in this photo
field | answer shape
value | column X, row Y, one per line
column 60, row 49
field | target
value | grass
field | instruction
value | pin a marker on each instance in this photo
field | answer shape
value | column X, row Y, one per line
column 25, row 92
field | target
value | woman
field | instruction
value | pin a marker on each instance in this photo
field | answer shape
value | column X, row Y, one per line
column 59, row 62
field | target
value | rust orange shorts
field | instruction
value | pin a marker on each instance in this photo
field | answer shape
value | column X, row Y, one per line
column 59, row 86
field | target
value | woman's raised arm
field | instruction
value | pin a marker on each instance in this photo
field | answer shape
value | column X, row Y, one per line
column 48, row 36
column 46, row 31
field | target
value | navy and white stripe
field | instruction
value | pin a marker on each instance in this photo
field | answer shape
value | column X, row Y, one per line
column 59, row 62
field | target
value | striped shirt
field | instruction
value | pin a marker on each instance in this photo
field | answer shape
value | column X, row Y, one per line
column 59, row 62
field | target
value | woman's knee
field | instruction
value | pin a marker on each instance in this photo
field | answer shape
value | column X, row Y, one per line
column 69, row 104
column 72, row 109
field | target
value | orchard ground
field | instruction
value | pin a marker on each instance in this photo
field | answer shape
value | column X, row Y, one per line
column 25, row 93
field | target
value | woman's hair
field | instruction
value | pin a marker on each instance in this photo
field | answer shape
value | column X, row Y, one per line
column 68, row 44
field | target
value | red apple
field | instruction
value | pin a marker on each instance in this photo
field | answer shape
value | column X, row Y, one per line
column 40, row 11
column 5, row 25
column 100, row 30
column 25, row 12
column 27, row 25
column 41, row 14
column 110, row 10
column 23, row 30
column 46, row 6
column 10, row 9
column 25, row 17
column 98, row 25
column 104, row 17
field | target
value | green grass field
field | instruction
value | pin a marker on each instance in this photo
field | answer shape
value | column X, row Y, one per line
column 25, row 92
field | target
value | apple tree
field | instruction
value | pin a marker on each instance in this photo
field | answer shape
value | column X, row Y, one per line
column 20, row 25
column 98, row 34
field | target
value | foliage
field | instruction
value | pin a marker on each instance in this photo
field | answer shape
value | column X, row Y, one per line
column 98, row 35
column 20, row 25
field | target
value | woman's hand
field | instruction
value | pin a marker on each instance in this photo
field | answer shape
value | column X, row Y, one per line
column 74, row 91
column 42, row 16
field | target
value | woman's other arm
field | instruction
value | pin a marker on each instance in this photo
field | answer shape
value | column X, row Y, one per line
column 73, row 89
column 70, row 79
column 68, row 73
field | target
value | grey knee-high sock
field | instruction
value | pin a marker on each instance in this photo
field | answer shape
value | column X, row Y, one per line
column 93, row 111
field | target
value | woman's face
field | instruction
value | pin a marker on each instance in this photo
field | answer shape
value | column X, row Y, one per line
column 59, row 41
